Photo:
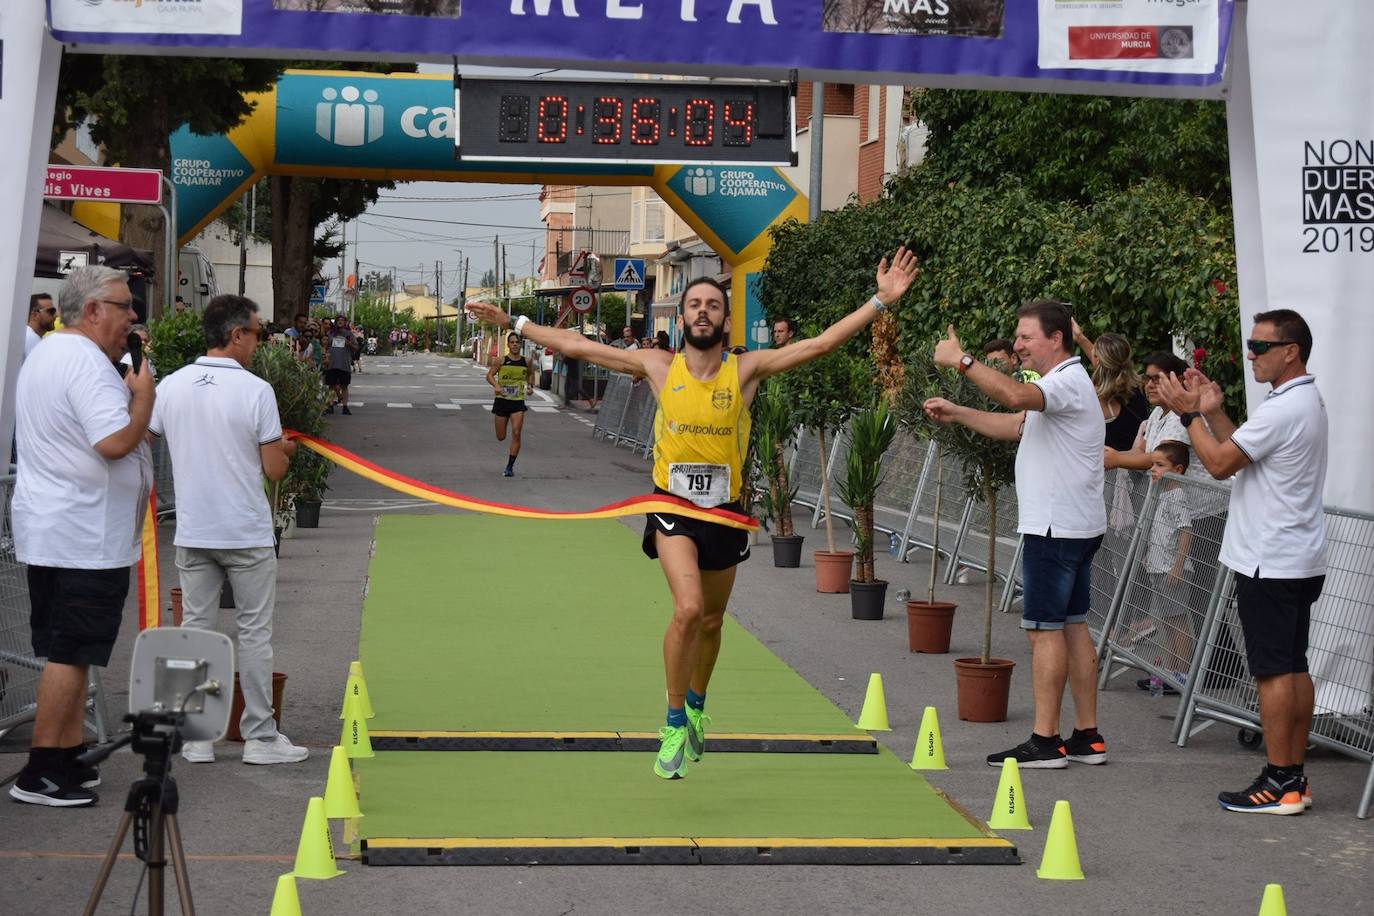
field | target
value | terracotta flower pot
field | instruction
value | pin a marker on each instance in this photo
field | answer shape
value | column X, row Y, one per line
column 983, row 689
column 236, row 707
column 928, row 625
column 833, row 570
column 176, row 607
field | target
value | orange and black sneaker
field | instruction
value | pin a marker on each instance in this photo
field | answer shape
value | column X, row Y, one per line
column 1035, row 754
column 1268, row 794
column 1086, row 748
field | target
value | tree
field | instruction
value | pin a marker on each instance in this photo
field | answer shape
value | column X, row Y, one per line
column 132, row 113
column 300, row 206
column 1075, row 147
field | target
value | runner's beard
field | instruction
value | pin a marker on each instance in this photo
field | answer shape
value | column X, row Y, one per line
column 706, row 340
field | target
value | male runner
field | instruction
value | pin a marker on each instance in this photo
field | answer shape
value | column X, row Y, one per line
column 701, row 432
column 512, row 379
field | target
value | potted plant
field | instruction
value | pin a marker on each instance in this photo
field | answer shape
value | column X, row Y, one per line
column 929, row 623
column 307, row 477
column 984, row 682
column 871, row 432
column 301, row 398
column 774, row 428
column 819, row 396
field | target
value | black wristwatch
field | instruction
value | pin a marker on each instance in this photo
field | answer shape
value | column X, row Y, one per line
column 1186, row 419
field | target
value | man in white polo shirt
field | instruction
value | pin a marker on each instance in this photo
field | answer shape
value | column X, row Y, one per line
column 1275, row 538
column 81, row 490
column 1059, row 476
column 224, row 434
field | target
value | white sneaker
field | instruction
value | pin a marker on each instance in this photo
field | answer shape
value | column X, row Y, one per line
column 276, row 750
column 198, row 751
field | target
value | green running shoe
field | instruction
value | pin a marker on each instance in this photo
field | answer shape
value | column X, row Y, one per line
column 671, row 762
column 696, row 733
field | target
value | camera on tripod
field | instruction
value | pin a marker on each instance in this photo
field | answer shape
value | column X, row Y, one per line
column 176, row 693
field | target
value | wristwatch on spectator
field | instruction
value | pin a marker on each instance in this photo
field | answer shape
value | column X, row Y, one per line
column 965, row 363
column 1186, row 419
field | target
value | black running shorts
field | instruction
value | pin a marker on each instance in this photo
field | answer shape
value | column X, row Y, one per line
column 1274, row 616
column 503, row 407
column 337, row 377
column 718, row 546
column 75, row 613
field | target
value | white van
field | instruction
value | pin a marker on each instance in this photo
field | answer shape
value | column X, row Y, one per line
column 196, row 279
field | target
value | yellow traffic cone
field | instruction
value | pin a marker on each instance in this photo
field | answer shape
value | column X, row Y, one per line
column 339, row 798
column 929, row 753
column 1009, row 810
column 354, row 738
column 315, row 854
column 1273, row 905
column 1060, row 859
column 357, row 687
column 286, row 902
column 874, row 715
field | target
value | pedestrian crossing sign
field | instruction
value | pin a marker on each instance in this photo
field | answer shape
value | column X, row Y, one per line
column 629, row 273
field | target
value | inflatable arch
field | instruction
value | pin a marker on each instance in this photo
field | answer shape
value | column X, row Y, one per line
column 342, row 124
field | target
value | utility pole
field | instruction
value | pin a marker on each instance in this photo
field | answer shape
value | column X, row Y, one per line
column 343, row 269
column 463, row 294
column 438, row 301
column 505, row 278
column 817, row 148
column 243, row 251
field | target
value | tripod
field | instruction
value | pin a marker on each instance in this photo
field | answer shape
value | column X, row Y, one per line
column 151, row 808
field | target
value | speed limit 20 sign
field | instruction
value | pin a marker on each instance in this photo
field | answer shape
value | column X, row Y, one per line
column 582, row 299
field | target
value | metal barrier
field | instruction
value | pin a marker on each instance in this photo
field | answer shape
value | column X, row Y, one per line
column 19, row 668
column 1161, row 589
column 636, row 426
column 902, row 465
column 611, row 415
column 1340, row 654
column 806, row 470
column 162, row 478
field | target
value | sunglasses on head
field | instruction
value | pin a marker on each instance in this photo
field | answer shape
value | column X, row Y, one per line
column 1261, row 347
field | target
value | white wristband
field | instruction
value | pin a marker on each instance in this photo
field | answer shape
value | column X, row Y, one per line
column 877, row 303
column 519, row 325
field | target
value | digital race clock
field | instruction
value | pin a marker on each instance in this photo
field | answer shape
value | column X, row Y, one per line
column 646, row 121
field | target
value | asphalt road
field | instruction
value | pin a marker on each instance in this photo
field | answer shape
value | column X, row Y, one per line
column 1150, row 834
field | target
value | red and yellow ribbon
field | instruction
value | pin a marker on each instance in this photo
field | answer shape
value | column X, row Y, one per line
column 635, row 505
column 149, row 582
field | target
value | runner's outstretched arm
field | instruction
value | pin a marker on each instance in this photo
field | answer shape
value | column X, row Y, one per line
column 893, row 282
column 572, row 344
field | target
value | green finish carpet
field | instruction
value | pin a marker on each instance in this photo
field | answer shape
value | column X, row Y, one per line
column 493, row 625
column 483, row 623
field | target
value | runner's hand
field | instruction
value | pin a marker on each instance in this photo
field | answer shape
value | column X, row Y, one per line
column 491, row 314
column 894, row 281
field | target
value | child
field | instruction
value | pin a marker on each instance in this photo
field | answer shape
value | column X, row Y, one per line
column 1166, row 558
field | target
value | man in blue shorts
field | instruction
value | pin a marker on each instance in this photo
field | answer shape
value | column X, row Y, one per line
column 1058, row 422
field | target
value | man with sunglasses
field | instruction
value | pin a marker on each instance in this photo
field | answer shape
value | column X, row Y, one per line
column 42, row 319
column 1275, row 538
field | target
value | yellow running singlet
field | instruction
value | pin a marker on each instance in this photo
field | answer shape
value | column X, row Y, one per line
column 511, row 377
column 701, row 432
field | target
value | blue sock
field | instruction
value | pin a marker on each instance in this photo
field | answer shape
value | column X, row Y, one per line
column 677, row 716
column 696, row 700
